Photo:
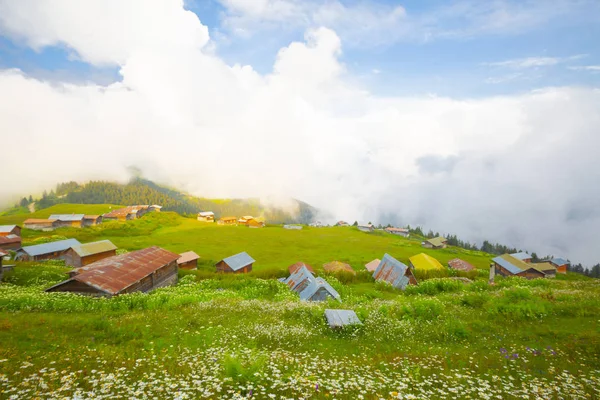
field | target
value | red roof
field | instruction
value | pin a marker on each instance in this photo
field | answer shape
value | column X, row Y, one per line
column 460, row 265
column 115, row 274
column 295, row 267
column 3, row 253
column 10, row 239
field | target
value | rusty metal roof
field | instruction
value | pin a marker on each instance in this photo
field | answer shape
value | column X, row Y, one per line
column 187, row 257
column 310, row 288
column 7, row 228
column 67, row 217
column 114, row 274
column 335, row 266
column 460, row 265
column 10, row 239
column 91, row 216
column 51, row 247
column 88, row 249
column 392, row 271
column 372, row 266
column 391, row 229
column 295, row 267
column 38, row 221
column 125, row 211
column 341, row 318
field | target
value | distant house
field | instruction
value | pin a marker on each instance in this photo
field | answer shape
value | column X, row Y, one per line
column 255, row 223
column 425, row 262
column 83, row 254
column 126, row 213
column 547, row 268
column 227, row 221
column 40, row 224
column 341, row 318
column 46, row 251
column 366, row 228
column 398, row 231
column 560, row 264
column 336, row 266
column 137, row 271
column 188, row 260
column 68, row 220
column 206, row 216
column 522, row 256
column 292, row 227
column 244, row 220
column 342, row 223
column 6, row 230
column 91, row 220
column 238, row 264
column 295, row 267
column 435, row 243
column 508, row 265
column 460, row 265
column 310, row 288
column 154, row 208
column 394, row 272
column 10, row 242
column 372, row 266
column 316, row 224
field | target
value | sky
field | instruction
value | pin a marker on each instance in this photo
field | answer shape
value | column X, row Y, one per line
column 480, row 119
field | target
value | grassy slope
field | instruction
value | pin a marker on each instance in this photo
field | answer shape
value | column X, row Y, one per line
column 92, row 209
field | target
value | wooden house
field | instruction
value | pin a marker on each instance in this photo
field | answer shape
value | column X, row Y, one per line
column 10, row 242
column 206, row 216
column 126, row 213
column 83, row 254
column 188, row 260
column 91, row 220
column 238, row 264
column 398, row 231
column 137, row 271
column 366, row 228
column 560, row 264
column 547, row 268
column 255, row 223
column 342, row 223
column 46, row 251
column 295, row 267
column 309, row 287
column 37, row 224
column 394, row 272
column 435, row 243
column 337, row 266
column 507, row 265
column 68, row 220
column 425, row 262
column 6, row 230
column 526, row 258
column 227, row 221
column 460, row 265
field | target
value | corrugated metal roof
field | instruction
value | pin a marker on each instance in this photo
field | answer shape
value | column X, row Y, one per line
column 114, row 274
column 7, row 228
column 121, row 212
column 397, row 230
column 38, row 221
column 544, row 266
column 67, row 217
column 372, row 266
column 460, row 265
column 295, row 267
column 51, row 247
column 10, row 239
column 392, row 271
column 91, row 216
column 206, row 214
column 511, row 264
column 559, row 262
column 341, row 318
column 335, row 266
column 310, row 288
column 239, row 261
column 437, row 241
column 187, row 257
column 88, row 249
column 521, row 256
column 424, row 261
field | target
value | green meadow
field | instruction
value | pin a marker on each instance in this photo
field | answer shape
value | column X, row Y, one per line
column 233, row 337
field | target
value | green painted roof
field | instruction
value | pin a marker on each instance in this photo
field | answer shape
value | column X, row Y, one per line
column 423, row 261
column 87, row 249
column 437, row 241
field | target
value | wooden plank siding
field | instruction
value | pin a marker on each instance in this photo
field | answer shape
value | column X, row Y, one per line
column 223, row 267
column 73, row 259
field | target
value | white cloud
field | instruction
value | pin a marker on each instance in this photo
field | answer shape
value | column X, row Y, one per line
column 593, row 68
column 512, row 169
column 534, row 62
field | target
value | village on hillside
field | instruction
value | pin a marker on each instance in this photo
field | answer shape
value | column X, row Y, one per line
column 99, row 269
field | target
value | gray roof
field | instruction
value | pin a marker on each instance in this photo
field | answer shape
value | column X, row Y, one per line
column 341, row 318
column 67, row 217
column 559, row 261
column 7, row 228
column 206, row 213
column 392, row 271
column 513, row 269
column 239, row 261
column 310, row 288
column 51, row 247
column 521, row 256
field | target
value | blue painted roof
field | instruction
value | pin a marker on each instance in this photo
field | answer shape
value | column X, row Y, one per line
column 239, row 261
column 67, row 217
column 51, row 247
column 392, row 271
column 521, row 256
column 513, row 269
column 559, row 261
column 340, row 318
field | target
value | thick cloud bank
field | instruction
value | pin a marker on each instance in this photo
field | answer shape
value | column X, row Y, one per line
column 521, row 170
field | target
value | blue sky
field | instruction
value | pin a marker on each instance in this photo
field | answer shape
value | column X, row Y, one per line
column 436, row 47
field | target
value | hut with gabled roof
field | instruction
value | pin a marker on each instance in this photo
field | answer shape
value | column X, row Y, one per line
column 424, row 261
column 508, row 265
column 240, row 263
column 309, row 287
column 40, row 224
column 560, row 264
column 83, row 254
column 227, row 221
column 10, row 242
column 68, row 220
column 188, row 260
column 435, row 243
column 206, row 216
column 46, row 251
column 6, row 230
column 394, row 272
column 91, row 220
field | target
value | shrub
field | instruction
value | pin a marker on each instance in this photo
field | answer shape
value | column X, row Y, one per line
column 474, row 300
column 434, row 286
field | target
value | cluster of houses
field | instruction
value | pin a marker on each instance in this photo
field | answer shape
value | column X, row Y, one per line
column 82, row 220
column 246, row 220
column 520, row 264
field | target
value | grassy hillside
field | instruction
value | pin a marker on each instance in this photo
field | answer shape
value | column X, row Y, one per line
column 92, row 209
column 248, row 336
